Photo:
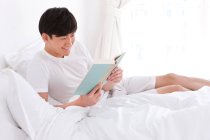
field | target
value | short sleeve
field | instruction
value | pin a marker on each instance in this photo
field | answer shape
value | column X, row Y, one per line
column 38, row 76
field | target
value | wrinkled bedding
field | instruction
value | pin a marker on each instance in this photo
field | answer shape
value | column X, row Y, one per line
column 175, row 116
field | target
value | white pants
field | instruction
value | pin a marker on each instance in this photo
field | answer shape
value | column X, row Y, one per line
column 135, row 84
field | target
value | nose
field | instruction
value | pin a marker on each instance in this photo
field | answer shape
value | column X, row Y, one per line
column 70, row 40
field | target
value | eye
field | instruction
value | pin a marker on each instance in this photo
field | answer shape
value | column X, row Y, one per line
column 63, row 37
column 72, row 35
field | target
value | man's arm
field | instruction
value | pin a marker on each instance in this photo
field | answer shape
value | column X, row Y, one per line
column 86, row 100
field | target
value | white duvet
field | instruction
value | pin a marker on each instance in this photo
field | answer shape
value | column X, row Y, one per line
column 143, row 116
column 177, row 116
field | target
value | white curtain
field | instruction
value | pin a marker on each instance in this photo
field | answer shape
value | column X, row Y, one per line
column 162, row 36
column 109, row 42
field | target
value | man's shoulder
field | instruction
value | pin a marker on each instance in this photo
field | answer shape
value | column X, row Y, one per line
column 38, row 64
column 40, row 55
column 39, row 58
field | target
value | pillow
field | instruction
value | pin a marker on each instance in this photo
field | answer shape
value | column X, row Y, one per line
column 2, row 61
column 19, row 60
column 8, row 127
column 27, row 108
column 10, row 132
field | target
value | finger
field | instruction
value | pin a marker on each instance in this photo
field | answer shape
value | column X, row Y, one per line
column 95, row 89
column 117, row 73
column 116, row 69
column 114, row 76
column 98, row 95
column 100, row 85
column 119, row 70
column 114, row 72
column 116, row 80
column 98, row 91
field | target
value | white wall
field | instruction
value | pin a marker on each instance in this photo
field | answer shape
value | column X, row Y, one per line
column 19, row 21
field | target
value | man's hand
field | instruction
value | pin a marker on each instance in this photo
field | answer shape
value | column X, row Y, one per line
column 114, row 77
column 44, row 95
column 91, row 98
column 85, row 100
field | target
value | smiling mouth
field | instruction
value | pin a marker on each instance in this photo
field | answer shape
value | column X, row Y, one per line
column 66, row 48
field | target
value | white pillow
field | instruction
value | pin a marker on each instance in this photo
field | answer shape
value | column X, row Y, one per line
column 27, row 108
column 10, row 132
column 2, row 61
column 19, row 60
column 8, row 127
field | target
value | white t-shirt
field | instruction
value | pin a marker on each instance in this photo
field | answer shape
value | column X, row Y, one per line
column 59, row 76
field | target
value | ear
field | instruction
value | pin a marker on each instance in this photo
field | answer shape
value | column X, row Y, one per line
column 45, row 37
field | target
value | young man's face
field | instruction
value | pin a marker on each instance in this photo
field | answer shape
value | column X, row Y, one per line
column 58, row 46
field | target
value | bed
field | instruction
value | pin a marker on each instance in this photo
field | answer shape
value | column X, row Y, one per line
column 175, row 116
column 140, row 116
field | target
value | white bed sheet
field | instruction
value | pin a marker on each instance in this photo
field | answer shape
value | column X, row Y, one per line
column 176, row 116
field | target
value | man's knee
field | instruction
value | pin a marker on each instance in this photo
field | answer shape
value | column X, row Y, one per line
column 171, row 78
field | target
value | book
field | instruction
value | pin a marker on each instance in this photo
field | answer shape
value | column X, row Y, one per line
column 98, row 72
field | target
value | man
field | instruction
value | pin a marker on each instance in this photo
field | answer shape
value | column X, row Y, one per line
column 53, row 71
column 59, row 68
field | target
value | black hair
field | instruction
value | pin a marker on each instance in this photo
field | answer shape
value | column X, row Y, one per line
column 57, row 21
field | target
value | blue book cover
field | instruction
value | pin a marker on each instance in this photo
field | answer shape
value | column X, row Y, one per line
column 99, row 72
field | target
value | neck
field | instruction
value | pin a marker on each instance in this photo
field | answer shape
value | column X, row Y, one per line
column 53, row 53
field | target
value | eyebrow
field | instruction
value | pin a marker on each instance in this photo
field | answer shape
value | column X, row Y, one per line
column 60, row 35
